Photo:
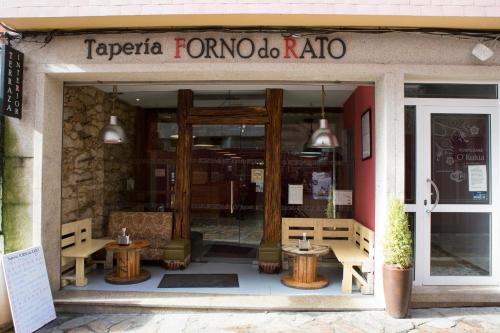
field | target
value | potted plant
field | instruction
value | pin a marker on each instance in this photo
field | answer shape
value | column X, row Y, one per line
column 398, row 250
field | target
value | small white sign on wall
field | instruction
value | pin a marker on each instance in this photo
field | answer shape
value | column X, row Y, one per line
column 28, row 289
column 343, row 197
column 478, row 178
column 295, row 194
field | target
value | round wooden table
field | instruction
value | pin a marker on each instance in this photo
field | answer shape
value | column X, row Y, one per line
column 128, row 263
column 304, row 275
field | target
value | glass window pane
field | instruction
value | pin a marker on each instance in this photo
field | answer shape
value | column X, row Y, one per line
column 460, row 244
column 431, row 90
column 313, row 168
column 410, row 159
column 227, row 188
column 460, row 157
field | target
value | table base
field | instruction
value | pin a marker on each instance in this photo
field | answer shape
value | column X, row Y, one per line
column 113, row 278
column 320, row 282
column 303, row 274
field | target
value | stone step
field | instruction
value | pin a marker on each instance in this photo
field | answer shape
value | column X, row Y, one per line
column 454, row 296
column 146, row 302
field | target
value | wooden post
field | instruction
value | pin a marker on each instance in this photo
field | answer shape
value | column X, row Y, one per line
column 272, row 173
column 183, row 166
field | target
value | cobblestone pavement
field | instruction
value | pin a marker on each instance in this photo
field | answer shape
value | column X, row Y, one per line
column 428, row 320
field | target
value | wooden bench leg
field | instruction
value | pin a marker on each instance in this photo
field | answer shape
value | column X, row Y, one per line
column 347, row 279
column 368, row 289
column 81, row 280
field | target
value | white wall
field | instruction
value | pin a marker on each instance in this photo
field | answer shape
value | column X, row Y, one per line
column 82, row 8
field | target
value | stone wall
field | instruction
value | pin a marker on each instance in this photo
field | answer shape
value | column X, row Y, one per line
column 94, row 174
column 118, row 164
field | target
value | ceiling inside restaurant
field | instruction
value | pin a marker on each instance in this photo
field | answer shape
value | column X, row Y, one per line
column 165, row 96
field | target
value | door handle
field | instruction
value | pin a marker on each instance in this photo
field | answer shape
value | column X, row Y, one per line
column 437, row 195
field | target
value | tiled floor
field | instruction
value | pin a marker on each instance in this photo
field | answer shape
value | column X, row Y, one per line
column 251, row 282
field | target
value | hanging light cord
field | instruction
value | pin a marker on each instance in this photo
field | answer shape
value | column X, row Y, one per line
column 115, row 93
column 323, row 102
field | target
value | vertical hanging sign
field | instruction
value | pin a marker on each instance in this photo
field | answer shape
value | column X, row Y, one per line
column 11, row 81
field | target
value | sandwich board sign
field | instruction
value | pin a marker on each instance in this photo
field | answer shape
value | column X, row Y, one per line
column 28, row 288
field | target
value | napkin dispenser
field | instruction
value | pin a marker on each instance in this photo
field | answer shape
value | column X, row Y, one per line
column 304, row 244
column 123, row 238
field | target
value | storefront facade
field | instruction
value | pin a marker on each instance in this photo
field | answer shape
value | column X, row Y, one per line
column 390, row 62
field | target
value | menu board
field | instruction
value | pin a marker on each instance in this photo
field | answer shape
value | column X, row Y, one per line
column 460, row 157
column 28, row 289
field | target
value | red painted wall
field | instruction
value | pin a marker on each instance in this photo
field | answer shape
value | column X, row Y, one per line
column 364, row 171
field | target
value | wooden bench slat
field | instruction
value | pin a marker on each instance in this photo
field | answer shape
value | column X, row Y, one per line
column 85, row 249
column 295, row 233
column 346, row 252
column 331, row 234
column 68, row 241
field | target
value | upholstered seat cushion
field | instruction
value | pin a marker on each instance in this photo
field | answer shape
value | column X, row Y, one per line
column 156, row 227
column 177, row 249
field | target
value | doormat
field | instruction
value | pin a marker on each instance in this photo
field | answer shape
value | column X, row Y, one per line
column 199, row 281
column 231, row 251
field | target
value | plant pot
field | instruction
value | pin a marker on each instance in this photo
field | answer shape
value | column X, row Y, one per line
column 397, row 290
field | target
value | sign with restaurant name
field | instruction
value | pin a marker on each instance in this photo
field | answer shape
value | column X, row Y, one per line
column 11, row 82
column 228, row 47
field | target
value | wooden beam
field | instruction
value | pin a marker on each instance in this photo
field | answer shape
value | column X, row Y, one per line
column 272, row 173
column 228, row 115
column 183, row 166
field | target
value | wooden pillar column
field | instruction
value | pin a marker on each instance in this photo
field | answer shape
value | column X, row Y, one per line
column 272, row 173
column 183, row 166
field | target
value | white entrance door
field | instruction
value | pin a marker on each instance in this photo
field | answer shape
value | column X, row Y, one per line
column 457, row 143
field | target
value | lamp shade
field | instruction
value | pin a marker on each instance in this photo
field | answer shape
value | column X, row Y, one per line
column 323, row 137
column 308, row 151
column 113, row 133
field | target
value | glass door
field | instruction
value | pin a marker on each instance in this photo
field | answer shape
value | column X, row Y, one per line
column 456, row 181
column 227, row 191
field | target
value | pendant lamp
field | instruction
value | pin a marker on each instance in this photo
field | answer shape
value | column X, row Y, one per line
column 113, row 133
column 323, row 137
column 307, row 150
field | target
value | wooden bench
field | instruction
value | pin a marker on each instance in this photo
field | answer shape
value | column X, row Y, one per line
column 351, row 242
column 76, row 246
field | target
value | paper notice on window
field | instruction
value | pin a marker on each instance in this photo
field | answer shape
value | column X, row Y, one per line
column 321, row 182
column 343, row 197
column 478, row 178
column 295, row 194
column 257, row 176
column 160, row 173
